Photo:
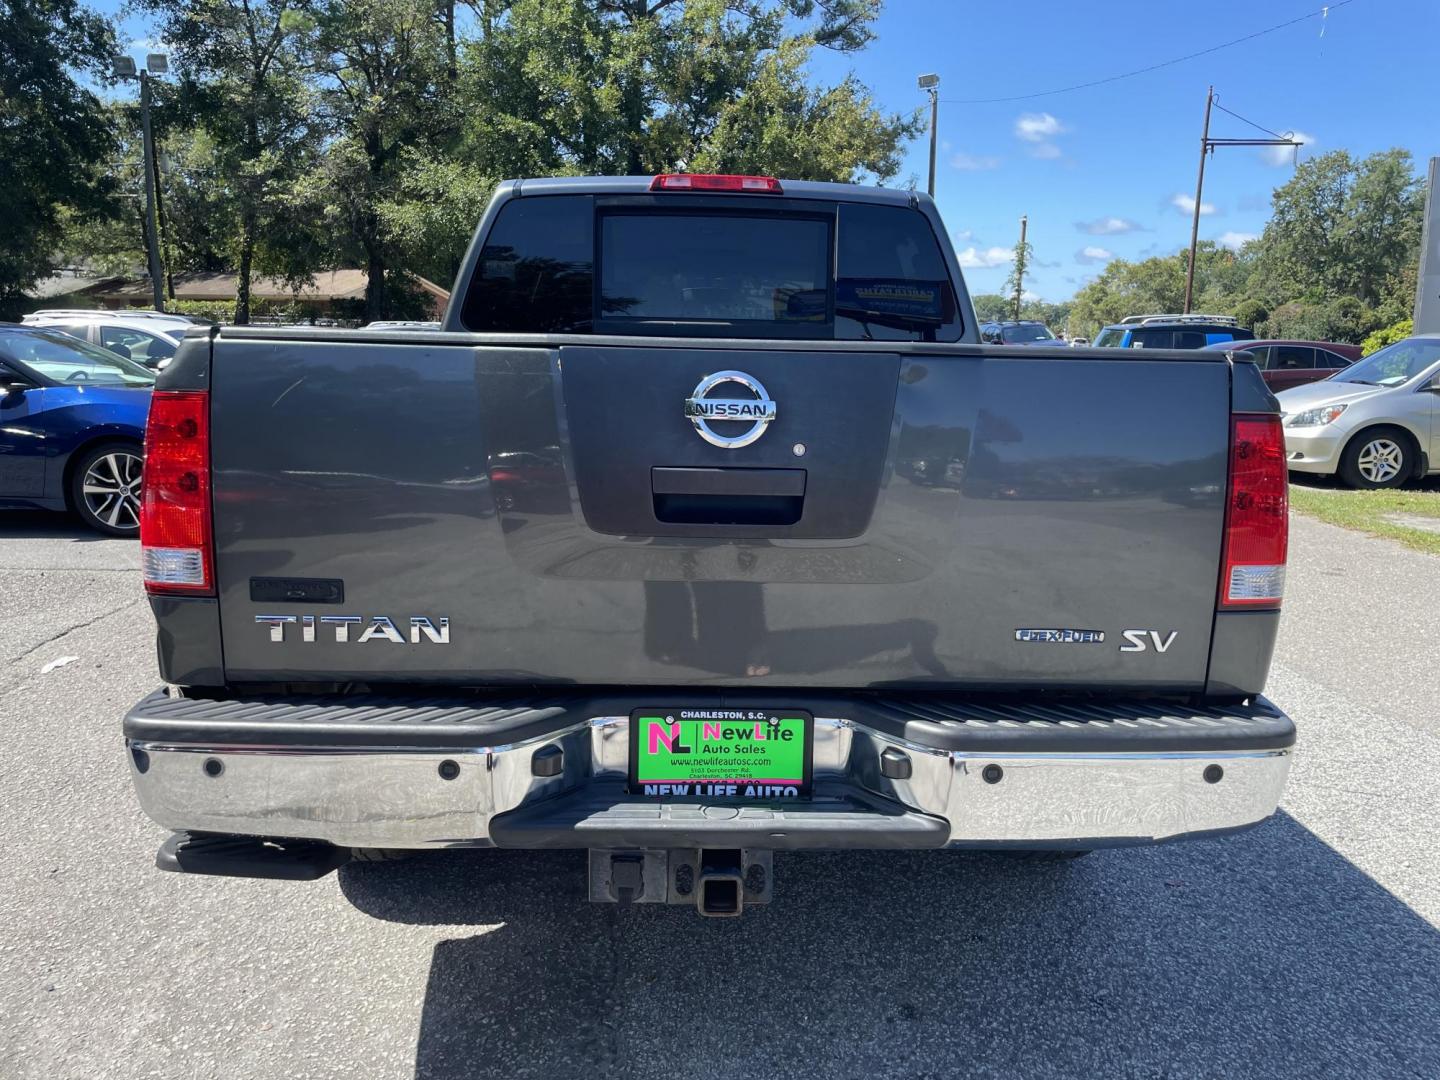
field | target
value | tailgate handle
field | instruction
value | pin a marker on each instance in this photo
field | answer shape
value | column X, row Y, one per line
column 762, row 482
column 766, row 497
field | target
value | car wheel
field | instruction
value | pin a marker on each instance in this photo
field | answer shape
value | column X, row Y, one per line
column 105, row 488
column 1377, row 458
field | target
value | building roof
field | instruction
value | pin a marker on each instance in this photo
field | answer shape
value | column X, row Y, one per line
column 325, row 286
column 66, row 282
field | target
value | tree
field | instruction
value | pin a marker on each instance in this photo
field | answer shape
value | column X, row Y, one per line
column 382, row 67
column 56, row 138
column 607, row 87
column 245, row 86
column 1380, row 231
column 991, row 307
column 1299, row 247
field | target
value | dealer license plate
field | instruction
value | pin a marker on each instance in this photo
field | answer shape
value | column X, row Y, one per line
column 741, row 754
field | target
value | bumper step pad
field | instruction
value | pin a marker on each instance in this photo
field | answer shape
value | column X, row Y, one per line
column 602, row 816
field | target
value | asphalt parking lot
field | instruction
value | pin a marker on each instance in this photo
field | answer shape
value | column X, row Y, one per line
column 1306, row 947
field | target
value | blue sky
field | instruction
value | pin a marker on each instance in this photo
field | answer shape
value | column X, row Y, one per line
column 1098, row 170
column 1111, row 170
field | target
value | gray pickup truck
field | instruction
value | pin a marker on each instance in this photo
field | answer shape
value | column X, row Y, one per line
column 703, row 528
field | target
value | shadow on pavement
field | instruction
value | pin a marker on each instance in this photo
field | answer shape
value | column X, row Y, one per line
column 1330, row 483
column 46, row 525
column 1266, row 954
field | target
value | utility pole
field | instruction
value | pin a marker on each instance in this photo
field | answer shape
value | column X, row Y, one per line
column 1207, row 145
column 1020, row 265
column 932, row 84
column 1199, row 191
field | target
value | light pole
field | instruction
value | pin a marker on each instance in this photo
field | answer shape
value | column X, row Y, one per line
column 932, row 84
column 155, row 64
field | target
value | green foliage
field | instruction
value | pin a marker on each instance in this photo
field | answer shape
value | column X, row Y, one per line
column 1343, row 228
column 246, row 94
column 1055, row 316
column 991, row 307
column 1337, row 259
column 1388, row 335
column 220, row 311
column 55, row 136
column 1015, row 282
column 1250, row 312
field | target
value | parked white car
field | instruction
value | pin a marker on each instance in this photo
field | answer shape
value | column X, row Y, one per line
column 1374, row 424
column 147, row 337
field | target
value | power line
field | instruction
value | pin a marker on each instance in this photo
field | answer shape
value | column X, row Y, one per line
column 1252, row 123
column 1324, row 11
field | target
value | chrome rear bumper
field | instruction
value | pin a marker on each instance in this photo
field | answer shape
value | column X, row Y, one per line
column 418, row 796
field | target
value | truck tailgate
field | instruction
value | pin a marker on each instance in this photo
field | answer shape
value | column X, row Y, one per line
column 910, row 515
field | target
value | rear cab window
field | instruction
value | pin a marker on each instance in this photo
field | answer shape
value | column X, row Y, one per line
column 746, row 266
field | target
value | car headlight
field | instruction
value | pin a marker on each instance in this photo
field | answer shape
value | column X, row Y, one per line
column 1325, row 414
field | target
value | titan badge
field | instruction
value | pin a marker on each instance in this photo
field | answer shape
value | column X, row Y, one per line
column 379, row 628
column 759, row 410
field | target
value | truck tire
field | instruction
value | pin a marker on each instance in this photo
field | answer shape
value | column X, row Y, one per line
column 1378, row 457
column 104, row 488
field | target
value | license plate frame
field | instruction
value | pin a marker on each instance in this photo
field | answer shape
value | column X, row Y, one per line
column 732, row 776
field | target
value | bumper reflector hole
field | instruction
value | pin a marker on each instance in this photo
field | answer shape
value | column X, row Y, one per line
column 141, row 759
column 992, row 774
column 449, row 770
column 1213, row 773
column 214, row 766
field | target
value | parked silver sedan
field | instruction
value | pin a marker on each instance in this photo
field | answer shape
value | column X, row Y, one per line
column 1375, row 424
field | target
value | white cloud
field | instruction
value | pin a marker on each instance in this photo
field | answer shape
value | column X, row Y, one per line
column 974, row 162
column 1107, row 226
column 1284, row 155
column 963, row 236
column 1091, row 253
column 972, row 258
column 1186, row 205
column 1235, row 240
column 1029, row 297
column 1038, row 127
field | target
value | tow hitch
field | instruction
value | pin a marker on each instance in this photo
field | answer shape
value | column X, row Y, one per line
column 720, row 882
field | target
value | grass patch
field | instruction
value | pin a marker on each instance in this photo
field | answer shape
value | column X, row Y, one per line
column 1370, row 511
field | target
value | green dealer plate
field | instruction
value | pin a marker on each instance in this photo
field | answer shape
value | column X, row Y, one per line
column 721, row 753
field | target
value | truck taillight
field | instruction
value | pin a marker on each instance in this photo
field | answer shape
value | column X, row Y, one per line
column 1257, row 514
column 758, row 185
column 176, row 534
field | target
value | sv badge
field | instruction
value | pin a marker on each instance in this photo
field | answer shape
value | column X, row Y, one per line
column 1145, row 640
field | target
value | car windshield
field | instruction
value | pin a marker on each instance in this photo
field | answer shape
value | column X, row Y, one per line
column 1015, row 334
column 68, row 360
column 1110, row 338
column 1392, row 365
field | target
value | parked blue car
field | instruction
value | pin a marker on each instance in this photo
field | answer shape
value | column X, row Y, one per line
column 72, row 427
